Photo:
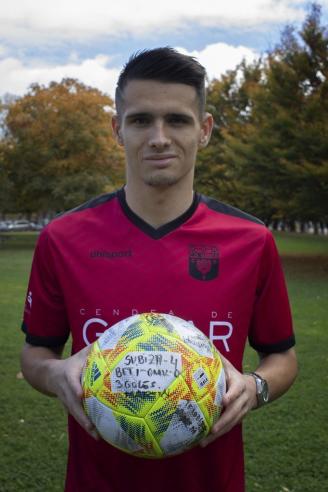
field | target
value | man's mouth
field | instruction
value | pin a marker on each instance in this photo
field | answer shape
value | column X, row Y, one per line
column 160, row 159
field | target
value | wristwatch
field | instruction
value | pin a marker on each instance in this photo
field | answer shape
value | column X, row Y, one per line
column 262, row 389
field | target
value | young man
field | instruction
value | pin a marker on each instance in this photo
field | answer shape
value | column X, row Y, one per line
column 137, row 250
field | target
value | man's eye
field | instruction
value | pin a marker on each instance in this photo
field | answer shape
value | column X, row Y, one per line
column 140, row 121
column 177, row 120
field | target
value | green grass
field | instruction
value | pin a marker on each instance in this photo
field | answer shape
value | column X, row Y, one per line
column 285, row 443
column 32, row 427
column 18, row 241
column 293, row 244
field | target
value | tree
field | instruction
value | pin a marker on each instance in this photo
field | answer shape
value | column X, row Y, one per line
column 57, row 148
column 212, row 174
column 231, row 101
column 271, row 141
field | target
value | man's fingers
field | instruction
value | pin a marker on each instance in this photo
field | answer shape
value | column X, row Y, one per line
column 87, row 425
column 74, row 383
column 236, row 403
column 74, row 407
column 218, row 431
column 70, row 391
column 231, row 396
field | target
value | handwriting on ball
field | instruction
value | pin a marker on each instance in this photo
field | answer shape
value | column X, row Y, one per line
column 145, row 371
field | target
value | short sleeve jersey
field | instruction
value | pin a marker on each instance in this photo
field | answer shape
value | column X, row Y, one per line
column 214, row 265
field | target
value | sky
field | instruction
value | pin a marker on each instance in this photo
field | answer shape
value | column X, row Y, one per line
column 46, row 40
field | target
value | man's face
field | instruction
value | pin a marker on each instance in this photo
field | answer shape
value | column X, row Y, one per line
column 161, row 130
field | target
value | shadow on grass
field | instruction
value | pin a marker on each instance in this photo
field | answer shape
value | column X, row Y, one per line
column 17, row 241
column 307, row 266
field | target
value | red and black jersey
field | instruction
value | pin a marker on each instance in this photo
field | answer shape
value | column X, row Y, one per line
column 214, row 265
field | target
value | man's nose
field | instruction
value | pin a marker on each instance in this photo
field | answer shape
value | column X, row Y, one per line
column 159, row 137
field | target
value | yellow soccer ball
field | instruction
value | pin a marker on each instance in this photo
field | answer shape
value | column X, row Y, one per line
column 153, row 385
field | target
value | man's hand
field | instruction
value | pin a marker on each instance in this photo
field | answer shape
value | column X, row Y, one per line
column 239, row 399
column 278, row 369
column 46, row 371
column 65, row 382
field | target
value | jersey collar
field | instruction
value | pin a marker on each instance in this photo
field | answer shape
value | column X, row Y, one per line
column 159, row 232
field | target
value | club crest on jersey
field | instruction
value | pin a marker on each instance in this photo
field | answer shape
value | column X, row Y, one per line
column 203, row 262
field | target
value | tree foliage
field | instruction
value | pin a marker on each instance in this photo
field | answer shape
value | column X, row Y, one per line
column 271, row 135
column 57, row 149
column 268, row 154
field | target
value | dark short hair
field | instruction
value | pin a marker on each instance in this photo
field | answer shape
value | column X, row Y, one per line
column 163, row 65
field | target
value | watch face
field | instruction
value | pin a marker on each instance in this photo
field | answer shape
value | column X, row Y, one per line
column 262, row 390
column 265, row 391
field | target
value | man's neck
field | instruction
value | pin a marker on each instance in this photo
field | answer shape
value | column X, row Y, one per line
column 158, row 206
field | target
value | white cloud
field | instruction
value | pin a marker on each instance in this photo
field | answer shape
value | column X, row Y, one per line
column 219, row 57
column 35, row 21
column 15, row 76
column 3, row 50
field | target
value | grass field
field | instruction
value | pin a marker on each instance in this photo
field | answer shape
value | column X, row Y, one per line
column 285, row 443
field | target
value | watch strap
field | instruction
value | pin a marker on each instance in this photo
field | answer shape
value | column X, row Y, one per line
column 262, row 391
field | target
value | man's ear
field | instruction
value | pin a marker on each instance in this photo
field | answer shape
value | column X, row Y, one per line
column 206, row 129
column 116, row 129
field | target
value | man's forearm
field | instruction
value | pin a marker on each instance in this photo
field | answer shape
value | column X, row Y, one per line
column 279, row 370
column 38, row 364
column 47, row 372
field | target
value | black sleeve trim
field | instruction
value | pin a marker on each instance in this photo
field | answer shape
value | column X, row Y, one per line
column 92, row 203
column 43, row 341
column 274, row 348
column 223, row 208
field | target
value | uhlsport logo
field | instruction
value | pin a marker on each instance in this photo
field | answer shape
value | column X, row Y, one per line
column 110, row 254
column 203, row 262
